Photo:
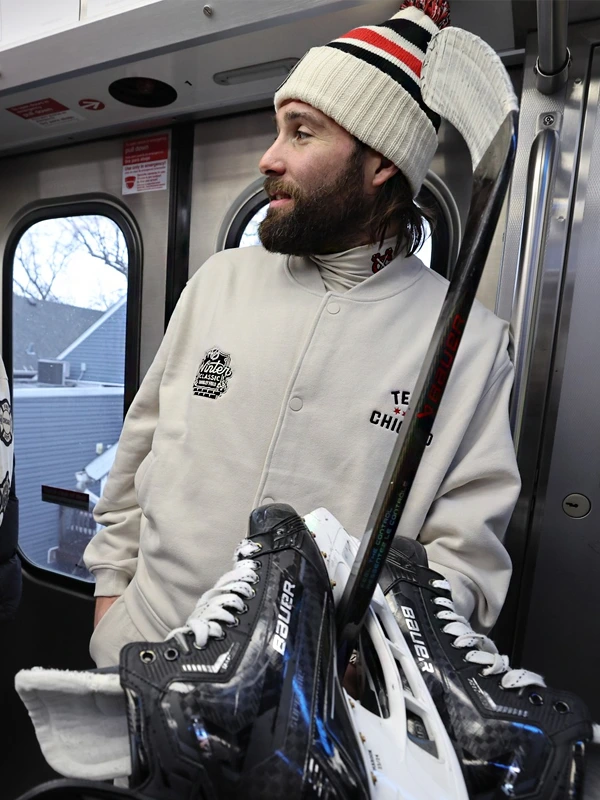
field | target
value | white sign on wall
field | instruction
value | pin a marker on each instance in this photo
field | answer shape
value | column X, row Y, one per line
column 45, row 113
column 145, row 164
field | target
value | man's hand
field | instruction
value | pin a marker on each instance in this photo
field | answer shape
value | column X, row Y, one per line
column 102, row 606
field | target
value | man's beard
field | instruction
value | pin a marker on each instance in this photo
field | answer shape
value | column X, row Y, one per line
column 327, row 218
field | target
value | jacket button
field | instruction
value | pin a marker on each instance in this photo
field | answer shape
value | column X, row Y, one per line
column 333, row 308
column 296, row 404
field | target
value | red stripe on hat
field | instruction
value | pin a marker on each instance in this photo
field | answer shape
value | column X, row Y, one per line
column 377, row 40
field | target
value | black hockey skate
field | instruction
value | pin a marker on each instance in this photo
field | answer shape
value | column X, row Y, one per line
column 244, row 699
column 514, row 736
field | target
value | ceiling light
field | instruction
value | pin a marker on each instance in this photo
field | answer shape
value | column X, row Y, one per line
column 256, row 72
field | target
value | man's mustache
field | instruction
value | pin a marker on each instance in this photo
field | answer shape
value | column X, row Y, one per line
column 274, row 186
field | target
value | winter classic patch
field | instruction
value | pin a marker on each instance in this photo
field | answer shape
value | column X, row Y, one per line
column 213, row 374
column 4, row 493
column 5, row 423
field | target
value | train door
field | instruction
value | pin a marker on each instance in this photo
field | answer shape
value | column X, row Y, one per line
column 549, row 285
column 85, row 296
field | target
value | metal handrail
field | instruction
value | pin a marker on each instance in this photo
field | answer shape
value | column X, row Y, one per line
column 540, row 179
column 552, row 65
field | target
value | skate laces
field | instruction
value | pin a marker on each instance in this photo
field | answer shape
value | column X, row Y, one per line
column 215, row 607
column 481, row 649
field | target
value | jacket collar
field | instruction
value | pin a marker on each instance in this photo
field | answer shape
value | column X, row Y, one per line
column 398, row 275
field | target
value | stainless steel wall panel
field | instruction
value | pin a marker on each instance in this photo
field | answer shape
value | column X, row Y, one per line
column 488, row 285
column 565, row 594
column 569, row 104
column 567, row 108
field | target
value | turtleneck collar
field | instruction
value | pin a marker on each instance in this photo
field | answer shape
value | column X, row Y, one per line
column 401, row 273
column 342, row 271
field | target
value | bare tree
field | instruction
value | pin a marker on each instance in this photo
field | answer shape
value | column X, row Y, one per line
column 49, row 247
column 100, row 238
column 37, row 269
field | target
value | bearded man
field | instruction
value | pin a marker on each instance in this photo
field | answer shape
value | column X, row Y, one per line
column 287, row 369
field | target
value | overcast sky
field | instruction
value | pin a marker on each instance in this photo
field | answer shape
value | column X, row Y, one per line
column 83, row 280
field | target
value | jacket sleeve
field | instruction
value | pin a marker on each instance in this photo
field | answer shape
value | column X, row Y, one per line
column 112, row 553
column 466, row 524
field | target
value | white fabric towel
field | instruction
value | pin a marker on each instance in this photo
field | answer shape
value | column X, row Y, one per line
column 80, row 721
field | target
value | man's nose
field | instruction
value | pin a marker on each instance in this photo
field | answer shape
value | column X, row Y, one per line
column 272, row 162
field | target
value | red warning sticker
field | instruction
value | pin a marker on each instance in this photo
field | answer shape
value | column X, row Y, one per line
column 46, row 113
column 145, row 164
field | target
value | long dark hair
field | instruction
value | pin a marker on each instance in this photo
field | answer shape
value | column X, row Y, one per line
column 394, row 208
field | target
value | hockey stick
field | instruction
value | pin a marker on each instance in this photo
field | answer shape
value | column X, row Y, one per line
column 490, row 133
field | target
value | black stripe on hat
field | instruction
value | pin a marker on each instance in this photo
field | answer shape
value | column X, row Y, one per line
column 392, row 70
column 413, row 33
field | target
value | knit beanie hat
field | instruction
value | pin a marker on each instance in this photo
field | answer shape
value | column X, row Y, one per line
column 368, row 81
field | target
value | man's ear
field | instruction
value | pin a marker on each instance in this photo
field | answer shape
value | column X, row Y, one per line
column 386, row 170
column 379, row 169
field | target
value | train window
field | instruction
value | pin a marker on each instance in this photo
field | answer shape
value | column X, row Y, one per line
column 249, row 235
column 240, row 228
column 69, row 322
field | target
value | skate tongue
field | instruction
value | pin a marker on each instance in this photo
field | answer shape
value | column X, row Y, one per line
column 410, row 550
column 265, row 518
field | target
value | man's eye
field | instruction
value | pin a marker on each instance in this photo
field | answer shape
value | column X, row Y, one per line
column 302, row 135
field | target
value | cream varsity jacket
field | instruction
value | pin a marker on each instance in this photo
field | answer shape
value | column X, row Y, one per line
column 268, row 388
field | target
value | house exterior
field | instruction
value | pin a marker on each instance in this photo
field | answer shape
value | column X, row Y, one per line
column 62, row 427
column 43, row 329
column 101, row 347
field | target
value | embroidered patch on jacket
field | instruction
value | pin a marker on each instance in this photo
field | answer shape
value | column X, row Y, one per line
column 213, row 374
column 381, row 260
column 5, row 422
column 4, row 493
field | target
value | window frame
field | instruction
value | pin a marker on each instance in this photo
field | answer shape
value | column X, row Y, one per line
column 240, row 213
column 445, row 239
column 447, row 235
column 81, row 205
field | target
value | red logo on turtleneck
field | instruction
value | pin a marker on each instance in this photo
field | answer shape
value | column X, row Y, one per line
column 380, row 261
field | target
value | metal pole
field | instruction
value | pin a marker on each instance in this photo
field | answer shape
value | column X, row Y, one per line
column 540, row 179
column 552, row 65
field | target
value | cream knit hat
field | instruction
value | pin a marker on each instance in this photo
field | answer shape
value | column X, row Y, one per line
column 368, row 81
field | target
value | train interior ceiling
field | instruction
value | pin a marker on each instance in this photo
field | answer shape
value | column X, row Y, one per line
column 130, row 134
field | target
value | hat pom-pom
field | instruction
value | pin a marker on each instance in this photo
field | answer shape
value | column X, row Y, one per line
column 437, row 10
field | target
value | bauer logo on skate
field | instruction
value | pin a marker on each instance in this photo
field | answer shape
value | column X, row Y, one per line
column 421, row 652
column 392, row 420
column 213, row 374
column 282, row 627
